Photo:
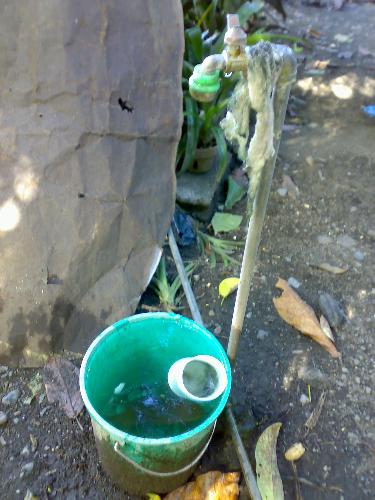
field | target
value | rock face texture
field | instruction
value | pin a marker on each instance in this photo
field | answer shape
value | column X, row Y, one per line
column 90, row 116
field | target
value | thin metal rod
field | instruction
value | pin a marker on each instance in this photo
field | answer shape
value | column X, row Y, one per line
column 184, row 279
column 283, row 84
column 249, row 476
column 238, row 445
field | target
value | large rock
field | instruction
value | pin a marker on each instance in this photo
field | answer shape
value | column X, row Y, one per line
column 90, row 116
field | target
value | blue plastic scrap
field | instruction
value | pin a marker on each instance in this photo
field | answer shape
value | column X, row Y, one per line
column 369, row 110
column 183, row 229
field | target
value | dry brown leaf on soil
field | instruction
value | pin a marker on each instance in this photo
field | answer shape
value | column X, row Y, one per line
column 213, row 485
column 61, row 379
column 324, row 266
column 301, row 316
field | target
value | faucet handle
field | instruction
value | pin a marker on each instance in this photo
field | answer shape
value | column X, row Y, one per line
column 233, row 21
column 235, row 35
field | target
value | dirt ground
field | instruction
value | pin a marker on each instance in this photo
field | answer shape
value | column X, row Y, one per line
column 328, row 150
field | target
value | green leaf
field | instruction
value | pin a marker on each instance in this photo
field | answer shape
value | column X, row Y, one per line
column 235, row 193
column 222, row 151
column 268, row 475
column 205, row 14
column 222, row 222
column 35, row 386
column 260, row 35
column 193, row 127
column 211, row 19
column 249, row 9
column 194, row 45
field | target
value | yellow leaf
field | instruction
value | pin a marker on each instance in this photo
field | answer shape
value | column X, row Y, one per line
column 213, row 485
column 153, row 496
column 228, row 286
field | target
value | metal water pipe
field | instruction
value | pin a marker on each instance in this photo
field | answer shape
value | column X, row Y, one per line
column 204, row 85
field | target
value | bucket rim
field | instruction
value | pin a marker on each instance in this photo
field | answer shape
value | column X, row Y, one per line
column 122, row 436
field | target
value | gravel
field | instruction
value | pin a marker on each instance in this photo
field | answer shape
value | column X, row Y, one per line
column 11, row 397
column 3, row 418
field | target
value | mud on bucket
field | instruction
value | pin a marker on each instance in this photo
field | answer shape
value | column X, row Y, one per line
column 148, row 438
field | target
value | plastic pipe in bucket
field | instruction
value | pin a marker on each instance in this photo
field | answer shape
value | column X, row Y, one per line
column 130, row 354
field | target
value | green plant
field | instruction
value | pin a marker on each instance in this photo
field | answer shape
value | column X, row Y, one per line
column 201, row 120
column 169, row 294
column 216, row 248
column 205, row 26
column 265, row 36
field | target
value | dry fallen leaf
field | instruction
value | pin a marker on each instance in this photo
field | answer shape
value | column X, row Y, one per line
column 268, row 475
column 324, row 266
column 228, row 286
column 301, row 316
column 315, row 414
column 324, row 325
column 213, row 485
column 61, row 379
column 295, row 452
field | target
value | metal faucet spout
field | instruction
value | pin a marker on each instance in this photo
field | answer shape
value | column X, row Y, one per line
column 213, row 63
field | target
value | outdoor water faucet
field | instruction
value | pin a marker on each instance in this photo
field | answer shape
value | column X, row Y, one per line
column 205, row 80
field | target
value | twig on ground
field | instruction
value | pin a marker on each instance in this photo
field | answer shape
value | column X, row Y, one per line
column 150, row 308
column 314, row 417
column 296, row 481
column 306, row 482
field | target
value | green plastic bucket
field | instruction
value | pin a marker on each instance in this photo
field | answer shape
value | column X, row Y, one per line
column 143, row 347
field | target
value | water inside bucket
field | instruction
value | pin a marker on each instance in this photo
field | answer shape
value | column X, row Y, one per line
column 153, row 411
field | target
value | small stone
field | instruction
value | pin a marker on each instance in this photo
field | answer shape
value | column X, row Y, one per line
column 358, row 380
column 346, row 241
column 217, row 330
column 16, row 420
column 293, row 282
column 288, row 258
column 248, row 315
column 3, row 369
column 196, row 277
column 44, row 410
column 331, row 310
column 314, row 377
column 304, row 400
column 2, row 441
column 368, row 390
column 25, row 452
column 371, row 232
column 11, row 397
column 27, row 468
column 359, row 256
column 3, row 418
column 345, row 370
column 211, row 313
column 323, row 239
column 34, row 443
column 283, row 191
column 262, row 334
column 353, row 438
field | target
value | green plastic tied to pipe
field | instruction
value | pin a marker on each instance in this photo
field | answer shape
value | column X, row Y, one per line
column 204, row 83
